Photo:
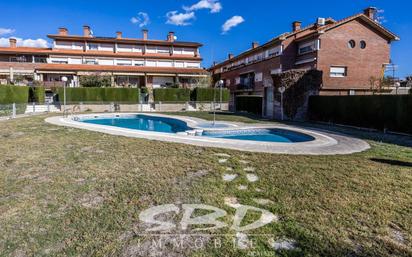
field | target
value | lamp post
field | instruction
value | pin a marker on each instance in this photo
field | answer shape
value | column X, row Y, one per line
column 282, row 90
column 64, row 79
column 220, row 84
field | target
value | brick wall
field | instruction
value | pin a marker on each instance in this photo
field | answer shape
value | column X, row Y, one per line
column 361, row 63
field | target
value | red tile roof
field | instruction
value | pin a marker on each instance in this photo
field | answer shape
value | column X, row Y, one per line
column 124, row 40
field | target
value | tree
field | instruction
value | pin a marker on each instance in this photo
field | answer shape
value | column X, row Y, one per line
column 95, row 81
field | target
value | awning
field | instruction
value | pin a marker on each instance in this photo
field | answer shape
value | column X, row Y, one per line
column 161, row 74
column 56, row 72
column 192, row 75
column 127, row 74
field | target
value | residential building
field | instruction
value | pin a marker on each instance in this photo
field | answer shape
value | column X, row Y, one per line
column 348, row 52
column 129, row 62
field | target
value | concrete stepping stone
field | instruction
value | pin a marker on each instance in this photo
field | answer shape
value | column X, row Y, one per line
column 229, row 168
column 223, row 155
column 249, row 169
column 222, row 161
column 283, row 244
column 252, row 177
column 258, row 190
column 244, row 162
column 242, row 187
column 232, row 202
column 229, row 177
column 262, row 201
column 242, row 241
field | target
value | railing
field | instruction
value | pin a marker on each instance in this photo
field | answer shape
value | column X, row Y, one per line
column 73, row 108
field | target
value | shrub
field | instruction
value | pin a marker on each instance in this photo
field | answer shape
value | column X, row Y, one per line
column 209, row 94
column 37, row 94
column 90, row 94
column 14, row 94
column 95, row 81
column 392, row 112
column 171, row 95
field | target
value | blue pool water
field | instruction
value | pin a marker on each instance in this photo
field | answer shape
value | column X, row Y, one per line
column 142, row 122
column 262, row 135
column 169, row 125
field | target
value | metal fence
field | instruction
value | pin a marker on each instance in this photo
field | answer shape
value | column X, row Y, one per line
column 12, row 110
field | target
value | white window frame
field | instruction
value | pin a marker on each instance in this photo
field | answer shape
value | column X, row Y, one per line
column 338, row 71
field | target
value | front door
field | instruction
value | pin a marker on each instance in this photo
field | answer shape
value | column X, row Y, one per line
column 269, row 102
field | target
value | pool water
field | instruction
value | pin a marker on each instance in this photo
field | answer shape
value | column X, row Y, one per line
column 261, row 135
column 170, row 125
column 142, row 122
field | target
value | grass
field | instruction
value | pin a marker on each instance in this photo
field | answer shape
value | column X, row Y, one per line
column 70, row 192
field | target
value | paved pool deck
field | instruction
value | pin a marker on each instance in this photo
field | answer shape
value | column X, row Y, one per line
column 325, row 143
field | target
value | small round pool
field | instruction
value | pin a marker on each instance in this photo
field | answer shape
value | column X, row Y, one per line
column 262, row 135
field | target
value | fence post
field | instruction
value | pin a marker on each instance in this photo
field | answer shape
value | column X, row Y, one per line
column 14, row 111
column 34, row 107
column 80, row 106
column 48, row 107
column 211, row 106
column 141, row 105
column 160, row 106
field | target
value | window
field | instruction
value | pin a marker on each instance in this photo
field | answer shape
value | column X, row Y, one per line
column 139, row 63
column 90, row 61
column 124, row 62
column 362, row 44
column 338, row 72
column 93, row 47
column 60, row 60
column 352, row 44
column 307, row 47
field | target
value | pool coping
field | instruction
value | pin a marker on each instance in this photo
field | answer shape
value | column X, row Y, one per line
column 324, row 144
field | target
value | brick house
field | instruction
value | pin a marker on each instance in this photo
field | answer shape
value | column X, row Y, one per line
column 129, row 62
column 348, row 52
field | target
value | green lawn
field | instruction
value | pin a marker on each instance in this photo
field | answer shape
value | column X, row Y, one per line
column 70, row 192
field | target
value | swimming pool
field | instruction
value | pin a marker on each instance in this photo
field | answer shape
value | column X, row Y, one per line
column 261, row 135
column 171, row 125
column 141, row 122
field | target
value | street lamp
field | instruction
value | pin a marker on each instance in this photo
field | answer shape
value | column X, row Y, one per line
column 282, row 90
column 220, row 84
column 64, row 79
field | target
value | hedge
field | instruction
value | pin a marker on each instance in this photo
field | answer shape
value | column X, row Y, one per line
column 37, row 94
column 391, row 112
column 13, row 94
column 252, row 104
column 93, row 94
column 171, row 95
column 208, row 94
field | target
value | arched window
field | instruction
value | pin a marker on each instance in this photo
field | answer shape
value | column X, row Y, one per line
column 362, row 44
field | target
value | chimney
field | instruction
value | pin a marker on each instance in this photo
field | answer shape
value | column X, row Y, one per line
column 171, row 36
column 231, row 56
column 119, row 34
column 145, row 34
column 296, row 25
column 63, row 31
column 86, row 31
column 13, row 42
column 370, row 12
column 255, row 45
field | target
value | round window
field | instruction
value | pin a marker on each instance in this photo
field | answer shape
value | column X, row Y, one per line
column 362, row 44
column 352, row 44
